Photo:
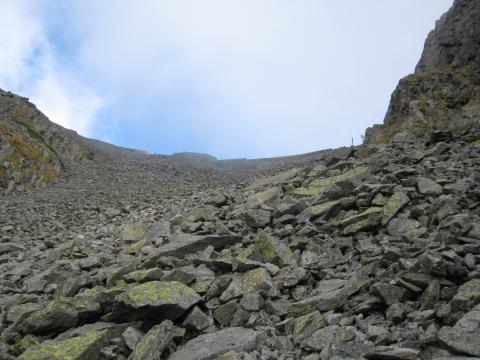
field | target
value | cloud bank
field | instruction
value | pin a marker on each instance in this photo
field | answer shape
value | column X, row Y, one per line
column 231, row 78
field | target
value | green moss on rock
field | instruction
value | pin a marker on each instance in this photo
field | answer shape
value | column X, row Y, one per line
column 78, row 348
column 157, row 293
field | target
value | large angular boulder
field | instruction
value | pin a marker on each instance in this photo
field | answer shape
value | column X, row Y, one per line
column 153, row 344
column 273, row 251
column 250, row 282
column 61, row 314
column 464, row 337
column 181, row 245
column 83, row 347
column 468, row 295
column 162, row 299
column 211, row 346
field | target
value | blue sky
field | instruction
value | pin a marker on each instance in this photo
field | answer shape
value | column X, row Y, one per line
column 249, row 78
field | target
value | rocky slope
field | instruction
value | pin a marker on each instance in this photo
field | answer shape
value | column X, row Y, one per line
column 370, row 252
column 444, row 92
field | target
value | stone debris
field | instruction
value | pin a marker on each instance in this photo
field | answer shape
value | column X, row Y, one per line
column 370, row 252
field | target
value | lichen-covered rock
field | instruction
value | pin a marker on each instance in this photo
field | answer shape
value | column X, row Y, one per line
column 84, row 347
column 211, row 346
column 427, row 186
column 181, row 245
column 468, row 295
column 316, row 187
column 250, row 282
column 167, row 300
column 257, row 218
column 396, row 202
column 273, row 251
column 156, row 341
column 363, row 221
column 58, row 316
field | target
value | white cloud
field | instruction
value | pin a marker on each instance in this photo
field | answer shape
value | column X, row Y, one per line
column 29, row 67
column 267, row 77
column 235, row 78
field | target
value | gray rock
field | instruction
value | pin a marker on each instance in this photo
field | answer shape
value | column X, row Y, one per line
column 468, row 295
column 224, row 313
column 165, row 300
column 392, row 353
column 391, row 294
column 464, row 337
column 257, row 218
column 324, row 302
column 132, row 336
column 197, row 320
column 251, row 282
column 328, row 337
column 211, row 346
column 9, row 247
column 182, row 245
column 429, row 187
column 396, row 202
column 252, row 302
column 157, row 339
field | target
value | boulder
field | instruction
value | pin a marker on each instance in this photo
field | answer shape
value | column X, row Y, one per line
column 84, row 347
column 162, row 299
column 211, row 346
column 464, row 337
column 155, row 341
column 181, row 245
column 250, row 282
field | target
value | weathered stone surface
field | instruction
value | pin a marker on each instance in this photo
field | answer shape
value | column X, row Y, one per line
column 464, row 337
column 392, row 353
column 326, row 301
column 155, row 341
column 167, row 300
column 429, row 187
column 257, row 218
column 59, row 315
column 391, row 294
column 328, row 337
column 468, row 295
column 211, row 346
column 396, row 202
column 182, row 245
column 273, row 251
column 132, row 336
column 250, row 282
column 197, row 320
column 77, row 348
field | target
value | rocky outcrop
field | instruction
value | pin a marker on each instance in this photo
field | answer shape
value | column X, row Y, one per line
column 444, row 92
column 33, row 150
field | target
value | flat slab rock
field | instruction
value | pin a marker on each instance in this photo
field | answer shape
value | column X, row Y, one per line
column 211, row 346
column 164, row 299
column 182, row 245
column 464, row 337
column 392, row 353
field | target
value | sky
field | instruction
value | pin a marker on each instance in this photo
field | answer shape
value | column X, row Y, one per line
column 232, row 78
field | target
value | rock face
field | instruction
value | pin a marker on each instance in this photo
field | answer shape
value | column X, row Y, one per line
column 370, row 252
column 443, row 93
column 210, row 346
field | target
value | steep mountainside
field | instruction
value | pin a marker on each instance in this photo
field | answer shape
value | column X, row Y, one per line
column 444, row 92
column 370, row 252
